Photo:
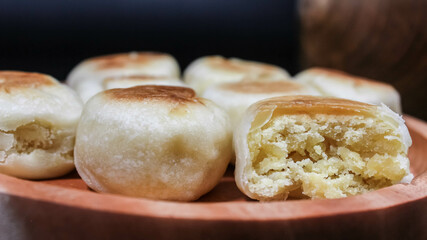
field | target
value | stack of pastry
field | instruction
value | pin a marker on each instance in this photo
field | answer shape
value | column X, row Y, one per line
column 144, row 132
column 307, row 146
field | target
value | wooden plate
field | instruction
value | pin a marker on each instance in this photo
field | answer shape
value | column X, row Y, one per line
column 66, row 209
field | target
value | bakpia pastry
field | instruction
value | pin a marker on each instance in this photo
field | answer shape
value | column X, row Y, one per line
column 138, row 80
column 320, row 147
column 39, row 117
column 158, row 142
column 236, row 97
column 335, row 83
column 86, row 78
column 210, row 70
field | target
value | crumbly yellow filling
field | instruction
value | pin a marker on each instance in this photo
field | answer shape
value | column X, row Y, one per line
column 324, row 157
column 27, row 138
column 33, row 136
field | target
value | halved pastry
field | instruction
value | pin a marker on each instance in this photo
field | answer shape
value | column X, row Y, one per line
column 39, row 117
column 319, row 147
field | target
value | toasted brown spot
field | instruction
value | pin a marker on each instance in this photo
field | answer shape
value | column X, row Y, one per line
column 239, row 65
column 343, row 76
column 124, row 59
column 13, row 80
column 315, row 105
column 153, row 92
column 264, row 87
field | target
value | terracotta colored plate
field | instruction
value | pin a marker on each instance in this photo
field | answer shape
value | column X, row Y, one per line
column 66, row 209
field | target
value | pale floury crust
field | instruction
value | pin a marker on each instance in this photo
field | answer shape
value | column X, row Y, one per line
column 88, row 76
column 37, row 129
column 158, row 142
column 335, row 83
column 260, row 113
column 210, row 70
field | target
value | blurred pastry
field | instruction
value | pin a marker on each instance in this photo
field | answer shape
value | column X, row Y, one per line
column 87, row 77
column 335, row 83
column 207, row 71
column 138, row 80
column 321, row 147
column 39, row 117
column 158, row 142
column 236, row 97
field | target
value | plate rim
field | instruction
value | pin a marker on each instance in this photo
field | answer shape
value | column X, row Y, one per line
column 231, row 211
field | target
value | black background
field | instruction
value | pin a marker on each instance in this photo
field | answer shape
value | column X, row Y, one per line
column 52, row 36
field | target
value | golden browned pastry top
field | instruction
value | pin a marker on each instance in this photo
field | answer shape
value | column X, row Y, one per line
column 153, row 92
column 122, row 59
column 345, row 77
column 135, row 78
column 18, row 80
column 237, row 65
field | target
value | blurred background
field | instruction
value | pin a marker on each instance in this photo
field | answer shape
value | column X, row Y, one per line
column 380, row 39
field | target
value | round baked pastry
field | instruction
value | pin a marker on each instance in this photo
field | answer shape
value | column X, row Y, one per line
column 319, row 147
column 87, row 77
column 335, row 83
column 207, row 71
column 158, row 142
column 38, row 121
column 138, row 80
column 236, row 97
